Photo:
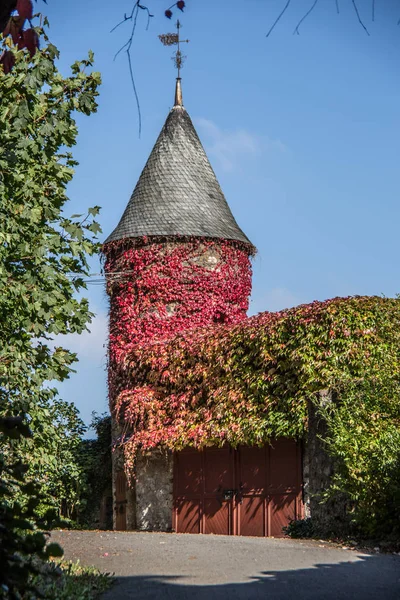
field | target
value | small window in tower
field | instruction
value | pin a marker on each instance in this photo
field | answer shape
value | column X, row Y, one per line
column 219, row 317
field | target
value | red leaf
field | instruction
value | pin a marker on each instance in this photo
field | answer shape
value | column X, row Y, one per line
column 25, row 8
column 180, row 4
column 7, row 28
column 20, row 41
column 13, row 28
column 30, row 40
column 168, row 13
column 7, row 60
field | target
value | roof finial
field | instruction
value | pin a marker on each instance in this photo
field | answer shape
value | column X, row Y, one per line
column 172, row 39
column 178, row 93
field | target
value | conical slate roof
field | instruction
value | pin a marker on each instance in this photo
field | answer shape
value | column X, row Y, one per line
column 178, row 192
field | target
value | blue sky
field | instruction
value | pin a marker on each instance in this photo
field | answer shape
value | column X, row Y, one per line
column 302, row 131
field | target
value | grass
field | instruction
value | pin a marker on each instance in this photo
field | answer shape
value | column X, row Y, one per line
column 66, row 580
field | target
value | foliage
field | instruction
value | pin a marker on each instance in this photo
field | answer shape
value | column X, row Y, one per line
column 300, row 528
column 253, row 381
column 42, row 253
column 43, row 260
column 54, row 455
column 16, row 27
column 95, row 464
column 74, row 473
column 364, row 438
column 73, row 581
column 22, row 543
column 24, row 547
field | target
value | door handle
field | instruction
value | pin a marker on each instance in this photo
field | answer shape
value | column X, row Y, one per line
column 228, row 494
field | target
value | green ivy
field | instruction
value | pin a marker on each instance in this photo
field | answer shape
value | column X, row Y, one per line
column 252, row 382
column 363, row 437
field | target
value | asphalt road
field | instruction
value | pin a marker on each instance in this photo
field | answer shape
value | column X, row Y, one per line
column 161, row 566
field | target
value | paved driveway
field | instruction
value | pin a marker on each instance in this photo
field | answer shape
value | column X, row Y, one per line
column 161, row 566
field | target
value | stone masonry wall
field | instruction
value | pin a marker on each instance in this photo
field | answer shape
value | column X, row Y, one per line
column 154, row 491
column 318, row 468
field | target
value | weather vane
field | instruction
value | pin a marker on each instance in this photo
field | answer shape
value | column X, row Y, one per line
column 173, row 39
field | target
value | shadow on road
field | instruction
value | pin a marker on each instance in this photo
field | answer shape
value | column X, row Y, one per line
column 372, row 577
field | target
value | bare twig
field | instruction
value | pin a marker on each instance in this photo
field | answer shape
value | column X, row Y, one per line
column 149, row 15
column 128, row 46
column 148, row 19
column 135, row 92
column 128, row 52
column 358, row 17
column 124, row 20
column 279, row 17
column 120, row 50
column 130, row 18
column 305, row 17
column 315, row 2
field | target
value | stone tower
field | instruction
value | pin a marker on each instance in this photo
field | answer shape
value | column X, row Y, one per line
column 177, row 260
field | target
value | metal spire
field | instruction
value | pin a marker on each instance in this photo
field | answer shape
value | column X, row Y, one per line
column 173, row 39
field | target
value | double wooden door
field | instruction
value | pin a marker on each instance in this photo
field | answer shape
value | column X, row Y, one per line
column 246, row 491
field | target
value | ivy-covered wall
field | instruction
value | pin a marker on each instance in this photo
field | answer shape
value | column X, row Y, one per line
column 159, row 288
column 188, row 368
column 252, row 381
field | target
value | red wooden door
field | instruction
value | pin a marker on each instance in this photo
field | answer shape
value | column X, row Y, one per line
column 249, row 491
column 284, row 485
column 252, row 470
column 218, row 477
column 188, row 485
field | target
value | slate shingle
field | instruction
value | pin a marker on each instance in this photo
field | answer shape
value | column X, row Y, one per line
column 178, row 192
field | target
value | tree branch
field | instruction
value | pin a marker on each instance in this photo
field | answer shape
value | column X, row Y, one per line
column 279, row 17
column 315, row 2
column 358, row 17
column 127, row 48
column 305, row 17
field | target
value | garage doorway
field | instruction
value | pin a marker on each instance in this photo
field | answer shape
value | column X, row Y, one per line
column 245, row 491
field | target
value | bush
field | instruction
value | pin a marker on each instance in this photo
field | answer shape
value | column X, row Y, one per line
column 300, row 528
column 94, row 461
column 363, row 439
column 23, row 543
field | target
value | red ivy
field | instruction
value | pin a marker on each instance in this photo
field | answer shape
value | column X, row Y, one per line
column 160, row 288
column 22, row 36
